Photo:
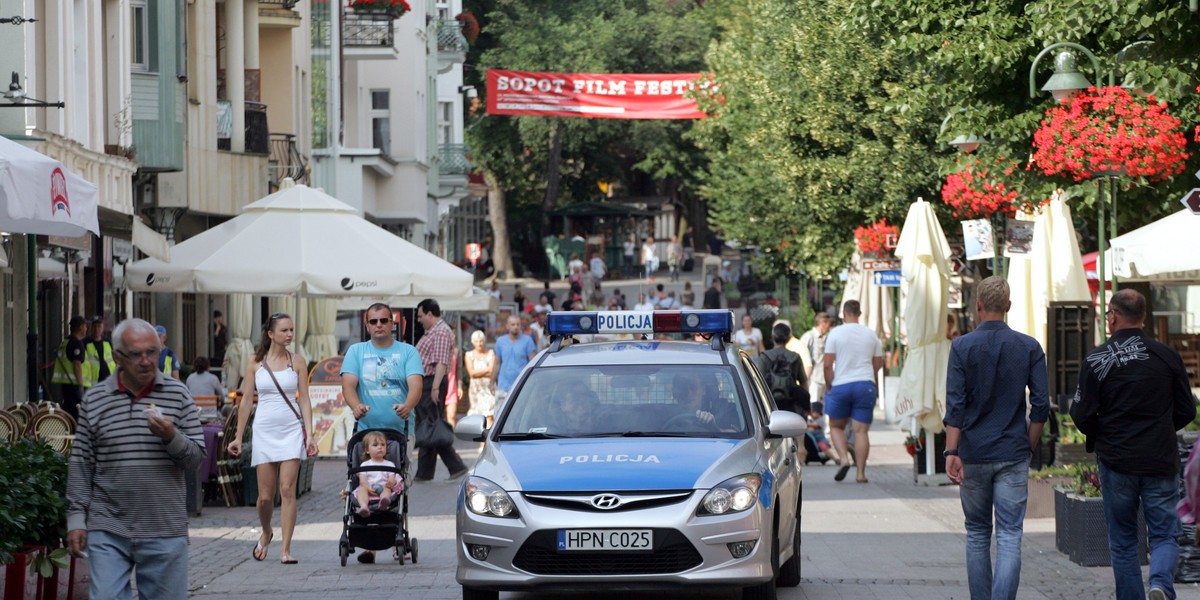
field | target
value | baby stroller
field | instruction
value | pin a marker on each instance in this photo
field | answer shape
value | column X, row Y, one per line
column 381, row 529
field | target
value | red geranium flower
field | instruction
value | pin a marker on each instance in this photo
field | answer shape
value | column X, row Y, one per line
column 875, row 238
column 981, row 189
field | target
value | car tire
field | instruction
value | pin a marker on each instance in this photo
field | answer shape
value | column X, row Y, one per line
column 766, row 590
column 470, row 593
column 789, row 572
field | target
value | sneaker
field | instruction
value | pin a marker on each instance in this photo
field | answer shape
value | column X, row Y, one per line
column 1156, row 593
column 458, row 475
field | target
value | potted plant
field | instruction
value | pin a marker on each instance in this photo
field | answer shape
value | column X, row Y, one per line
column 982, row 188
column 393, row 8
column 33, row 518
column 1080, row 530
column 877, row 238
column 1108, row 131
column 920, row 447
column 1070, row 448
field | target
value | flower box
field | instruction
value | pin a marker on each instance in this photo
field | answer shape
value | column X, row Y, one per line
column 21, row 582
column 1081, row 532
column 1041, row 497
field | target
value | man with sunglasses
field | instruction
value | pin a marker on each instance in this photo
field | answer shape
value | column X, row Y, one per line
column 381, row 380
column 138, row 435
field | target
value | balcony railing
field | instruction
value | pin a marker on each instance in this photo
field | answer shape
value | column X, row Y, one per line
column 450, row 38
column 370, row 29
column 286, row 159
column 453, row 159
column 257, row 136
column 286, row 4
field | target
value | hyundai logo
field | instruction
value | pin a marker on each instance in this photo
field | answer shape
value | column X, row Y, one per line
column 606, row 501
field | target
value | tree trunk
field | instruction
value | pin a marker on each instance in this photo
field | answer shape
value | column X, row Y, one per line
column 553, row 177
column 498, row 217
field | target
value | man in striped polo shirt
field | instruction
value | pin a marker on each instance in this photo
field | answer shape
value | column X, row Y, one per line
column 138, row 434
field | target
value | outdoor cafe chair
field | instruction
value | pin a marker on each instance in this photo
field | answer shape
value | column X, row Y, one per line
column 54, row 426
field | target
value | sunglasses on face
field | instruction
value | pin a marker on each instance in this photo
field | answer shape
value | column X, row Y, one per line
column 380, row 321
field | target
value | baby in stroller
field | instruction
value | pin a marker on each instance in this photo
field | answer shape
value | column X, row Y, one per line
column 376, row 485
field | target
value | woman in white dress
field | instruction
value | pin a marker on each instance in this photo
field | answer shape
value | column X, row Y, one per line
column 281, row 425
column 749, row 338
column 480, row 364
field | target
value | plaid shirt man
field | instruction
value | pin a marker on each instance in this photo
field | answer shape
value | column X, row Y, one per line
column 436, row 346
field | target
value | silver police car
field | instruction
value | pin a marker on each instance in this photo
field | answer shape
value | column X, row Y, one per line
column 634, row 463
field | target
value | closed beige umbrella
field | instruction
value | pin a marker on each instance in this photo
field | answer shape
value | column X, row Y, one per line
column 242, row 338
column 1053, row 273
column 322, row 318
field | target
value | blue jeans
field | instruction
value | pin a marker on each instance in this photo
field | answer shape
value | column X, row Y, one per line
column 1004, row 487
column 161, row 567
column 1158, row 496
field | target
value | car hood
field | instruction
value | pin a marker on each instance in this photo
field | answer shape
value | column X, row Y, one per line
column 615, row 463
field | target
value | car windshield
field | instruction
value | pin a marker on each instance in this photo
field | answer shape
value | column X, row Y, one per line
column 626, row 400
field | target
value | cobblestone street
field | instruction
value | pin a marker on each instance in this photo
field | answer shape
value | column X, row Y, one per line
column 887, row 539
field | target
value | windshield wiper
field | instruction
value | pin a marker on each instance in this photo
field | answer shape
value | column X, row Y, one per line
column 657, row 434
column 532, row 435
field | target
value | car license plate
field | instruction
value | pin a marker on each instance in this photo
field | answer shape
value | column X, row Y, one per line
column 605, row 539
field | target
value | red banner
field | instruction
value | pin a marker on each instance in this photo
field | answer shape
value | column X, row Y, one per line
column 600, row 96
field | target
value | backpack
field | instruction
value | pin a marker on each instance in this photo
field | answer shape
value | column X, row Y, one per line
column 780, row 379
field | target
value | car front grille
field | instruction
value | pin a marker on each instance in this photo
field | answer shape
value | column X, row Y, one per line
column 628, row 501
column 672, row 553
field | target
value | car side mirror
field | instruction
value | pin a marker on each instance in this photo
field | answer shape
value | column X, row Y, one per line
column 471, row 428
column 785, row 423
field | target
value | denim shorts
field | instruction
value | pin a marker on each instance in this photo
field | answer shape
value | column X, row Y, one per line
column 854, row 400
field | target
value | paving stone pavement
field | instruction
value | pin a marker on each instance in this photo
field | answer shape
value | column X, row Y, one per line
column 888, row 539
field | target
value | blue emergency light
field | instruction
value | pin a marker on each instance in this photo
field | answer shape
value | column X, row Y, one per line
column 622, row 321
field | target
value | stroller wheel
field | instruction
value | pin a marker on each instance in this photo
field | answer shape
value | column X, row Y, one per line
column 412, row 549
column 344, row 552
column 398, row 554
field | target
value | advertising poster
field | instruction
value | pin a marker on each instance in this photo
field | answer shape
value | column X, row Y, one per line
column 333, row 421
column 955, row 299
column 1018, row 238
column 977, row 239
column 594, row 95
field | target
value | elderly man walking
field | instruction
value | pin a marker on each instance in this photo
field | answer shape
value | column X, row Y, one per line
column 1133, row 396
column 987, row 441
column 138, row 434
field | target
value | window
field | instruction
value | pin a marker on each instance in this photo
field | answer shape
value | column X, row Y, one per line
column 445, row 123
column 140, row 35
column 381, row 121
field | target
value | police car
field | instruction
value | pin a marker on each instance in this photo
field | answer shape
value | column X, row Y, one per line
column 634, row 463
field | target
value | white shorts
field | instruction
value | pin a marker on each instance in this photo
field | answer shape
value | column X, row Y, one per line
column 816, row 391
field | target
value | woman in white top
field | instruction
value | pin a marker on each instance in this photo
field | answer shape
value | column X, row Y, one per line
column 281, row 424
column 748, row 338
column 481, row 363
column 649, row 258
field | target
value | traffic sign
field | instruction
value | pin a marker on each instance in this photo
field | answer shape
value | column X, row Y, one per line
column 887, row 278
column 1192, row 201
column 890, row 264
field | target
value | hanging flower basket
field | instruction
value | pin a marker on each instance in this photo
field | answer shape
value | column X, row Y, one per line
column 876, row 238
column 984, row 188
column 395, row 8
column 470, row 26
column 1108, row 132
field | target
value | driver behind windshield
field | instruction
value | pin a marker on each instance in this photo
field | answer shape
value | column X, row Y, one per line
column 697, row 406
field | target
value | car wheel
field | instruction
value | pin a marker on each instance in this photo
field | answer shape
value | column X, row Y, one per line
column 470, row 593
column 766, row 590
column 789, row 572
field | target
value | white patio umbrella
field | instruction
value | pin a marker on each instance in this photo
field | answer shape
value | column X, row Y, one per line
column 1053, row 272
column 480, row 301
column 875, row 301
column 1165, row 250
column 300, row 240
column 241, row 332
column 38, row 195
column 924, row 262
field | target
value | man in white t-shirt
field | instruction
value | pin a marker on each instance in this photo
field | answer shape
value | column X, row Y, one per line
column 643, row 304
column 853, row 356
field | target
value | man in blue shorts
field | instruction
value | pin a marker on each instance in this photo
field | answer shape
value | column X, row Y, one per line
column 381, row 380
column 853, row 356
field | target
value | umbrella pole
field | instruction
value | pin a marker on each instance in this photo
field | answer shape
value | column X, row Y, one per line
column 930, row 448
column 31, row 357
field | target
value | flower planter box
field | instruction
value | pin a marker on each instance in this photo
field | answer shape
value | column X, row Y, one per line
column 20, row 581
column 1041, row 497
column 1072, row 454
column 1081, row 532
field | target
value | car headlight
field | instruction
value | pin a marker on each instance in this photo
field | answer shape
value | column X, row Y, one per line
column 488, row 499
column 732, row 495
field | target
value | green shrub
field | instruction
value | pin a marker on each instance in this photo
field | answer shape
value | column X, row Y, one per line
column 33, row 497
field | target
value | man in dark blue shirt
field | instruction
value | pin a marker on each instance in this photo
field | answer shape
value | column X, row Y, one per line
column 987, row 440
column 1133, row 395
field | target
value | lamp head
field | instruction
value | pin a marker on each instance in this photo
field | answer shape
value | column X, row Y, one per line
column 968, row 143
column 1066, row 80
column 14, row 88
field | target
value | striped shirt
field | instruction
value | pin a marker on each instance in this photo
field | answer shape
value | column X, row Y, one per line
column 123, row 479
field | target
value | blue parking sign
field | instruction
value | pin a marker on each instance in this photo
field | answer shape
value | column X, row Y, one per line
column 887, row 278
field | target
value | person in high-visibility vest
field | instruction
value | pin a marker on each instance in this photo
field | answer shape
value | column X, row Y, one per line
column 168, row 363
column 68, row 367
column 98, row 362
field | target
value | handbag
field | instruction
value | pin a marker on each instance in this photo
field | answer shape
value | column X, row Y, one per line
column 433, row 432
column 288, row 402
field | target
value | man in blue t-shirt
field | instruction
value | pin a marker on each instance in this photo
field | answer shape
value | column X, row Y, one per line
column 381, row 380
column 513, row 351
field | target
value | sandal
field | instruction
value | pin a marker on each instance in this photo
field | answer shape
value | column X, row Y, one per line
column 260, row 550
column 841, row 472
column 288, row 560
